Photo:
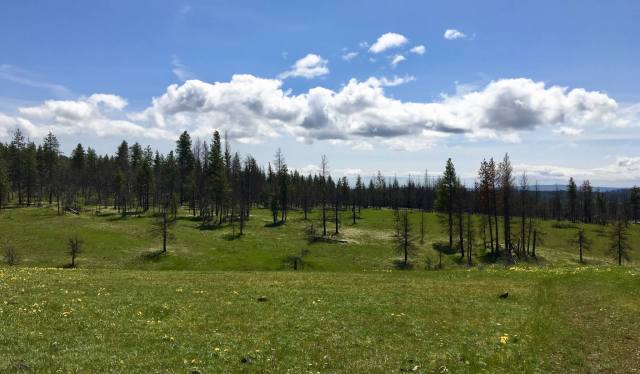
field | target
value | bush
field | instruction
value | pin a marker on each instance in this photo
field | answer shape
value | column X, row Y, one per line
column 11, row 256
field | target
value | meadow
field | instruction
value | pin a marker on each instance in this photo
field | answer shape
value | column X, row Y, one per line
column 219, row 303
column 110, row 241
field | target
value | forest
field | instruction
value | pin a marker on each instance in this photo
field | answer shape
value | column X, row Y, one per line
column 218, row 186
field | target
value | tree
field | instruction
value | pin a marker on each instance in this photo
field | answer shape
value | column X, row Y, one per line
column 217, row 176
column 324, row 174
column 587, row 201
column 634, row 202
column 404, row 243
column 505, row 172
column 4, row 184
column 470, row 239
column 281, row 183
column 51, row 152
column 620, row 241
column 572, row 193
column 487, row 180
column 582, row 242
column 524, row 206
column 11, row 256
column 16, row 163
column 447, row 192
column 296, row 260
column 186, row 163
column 75, row 246
column 162, row 226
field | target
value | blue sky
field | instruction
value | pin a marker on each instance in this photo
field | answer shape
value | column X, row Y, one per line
column 555, row 84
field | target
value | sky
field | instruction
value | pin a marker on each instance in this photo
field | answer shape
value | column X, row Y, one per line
column 395, row 86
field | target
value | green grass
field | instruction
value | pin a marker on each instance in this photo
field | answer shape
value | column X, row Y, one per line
column 556, row 320
column 348, row 310
column 40, row 236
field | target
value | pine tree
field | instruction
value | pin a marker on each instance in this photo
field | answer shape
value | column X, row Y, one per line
column 572, row 193
column 582, row 242
column 620, row 241
column 506, row 187
column 447, row 191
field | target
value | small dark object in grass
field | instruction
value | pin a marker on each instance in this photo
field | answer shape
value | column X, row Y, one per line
column 504, row 295
column 195, row 371
column 21, row 365
column 246, row 360
column 262, row 299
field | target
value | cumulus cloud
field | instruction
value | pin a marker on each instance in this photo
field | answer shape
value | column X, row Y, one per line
column 349, row 56
column 452, row 34
column 419, row 49
column 397, row 59
column 98, row 114
column 310, row 66
column 623, row 169
column 253, row 109
column 387, row 41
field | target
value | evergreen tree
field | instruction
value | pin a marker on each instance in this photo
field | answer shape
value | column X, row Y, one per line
column 186, row 164
column 572, row 194
column 619, row 247
column 447, row 189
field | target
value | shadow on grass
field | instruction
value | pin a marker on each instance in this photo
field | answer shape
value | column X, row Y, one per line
column 152, row 255
column 209, row 226
column 444, row 248
column 189, row 218
column 121, row 216
column 231, row 237
column 399, row 264
column 327, row 239
column 277, row 224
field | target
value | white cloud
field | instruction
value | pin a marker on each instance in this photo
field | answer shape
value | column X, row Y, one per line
column 419, row 49
column 387, row 41
column 310, row 66
column 349, row 56
column 624, row 169
column 568, row 131
column 23, row 77
column 180, row 70
column 452, row 34
column 98, row 114
column 390, row 82
column 253, row 110
column 397, row 59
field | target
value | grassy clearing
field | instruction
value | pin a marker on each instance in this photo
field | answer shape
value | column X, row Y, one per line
column 555, row 319
column 40, row 236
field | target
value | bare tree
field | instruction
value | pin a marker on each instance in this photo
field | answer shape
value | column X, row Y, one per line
column 162, row 226
column 404, row 243
column 75, row 248
column 11, row 256
column 296, row 260
column 582, row 242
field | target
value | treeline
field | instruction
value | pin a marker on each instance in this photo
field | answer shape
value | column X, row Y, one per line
column 219, row 185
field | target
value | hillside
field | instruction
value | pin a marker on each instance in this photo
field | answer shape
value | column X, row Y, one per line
column 40, row 236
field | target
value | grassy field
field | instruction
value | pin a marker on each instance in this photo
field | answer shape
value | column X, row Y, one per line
column 580, row 319
column 40, row 236
column 348, row 310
